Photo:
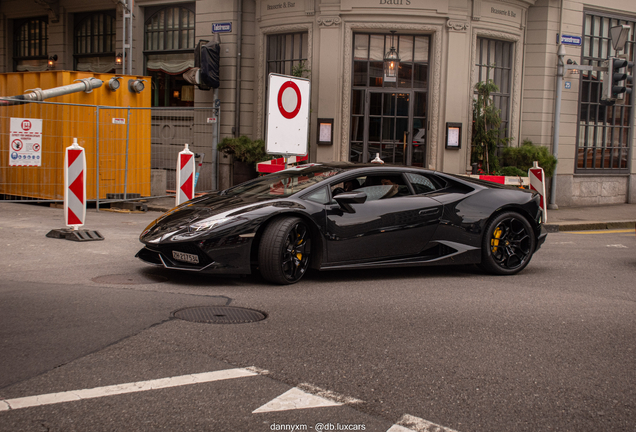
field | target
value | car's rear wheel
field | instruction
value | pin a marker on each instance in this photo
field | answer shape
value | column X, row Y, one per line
column 508, row 244
column 284, row 251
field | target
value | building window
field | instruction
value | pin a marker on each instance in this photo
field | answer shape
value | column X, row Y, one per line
column 389, row 118
column 30, row 44
column 603, row 132
column 95, row 42
column 169, row 52
column 494, row 61
column 286, row 52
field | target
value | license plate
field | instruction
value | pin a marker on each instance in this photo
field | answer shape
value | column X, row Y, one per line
column 185, row 257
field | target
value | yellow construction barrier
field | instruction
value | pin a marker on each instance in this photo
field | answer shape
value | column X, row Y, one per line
column 112, row 126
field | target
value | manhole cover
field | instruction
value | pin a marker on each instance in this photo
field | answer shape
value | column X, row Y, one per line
column 220, row 315
column 129, row 279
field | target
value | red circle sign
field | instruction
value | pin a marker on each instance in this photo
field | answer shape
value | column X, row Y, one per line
column 289, row 114
column 26, row 125
column 16, row 145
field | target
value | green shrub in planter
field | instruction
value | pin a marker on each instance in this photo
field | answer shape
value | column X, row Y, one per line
column 512, row 171
column 244, row 149
column 523, row 156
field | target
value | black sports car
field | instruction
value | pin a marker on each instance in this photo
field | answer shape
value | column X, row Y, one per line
column 348, row 216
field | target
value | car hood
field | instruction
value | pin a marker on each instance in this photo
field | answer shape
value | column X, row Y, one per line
column 209, row 207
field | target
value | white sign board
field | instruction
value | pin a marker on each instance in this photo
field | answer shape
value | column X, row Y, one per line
column 25, row 142
column 287, row 115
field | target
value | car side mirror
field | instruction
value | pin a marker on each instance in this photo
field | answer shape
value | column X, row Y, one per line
column 345, row 200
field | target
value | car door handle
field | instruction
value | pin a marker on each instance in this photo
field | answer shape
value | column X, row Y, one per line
column 429, row 212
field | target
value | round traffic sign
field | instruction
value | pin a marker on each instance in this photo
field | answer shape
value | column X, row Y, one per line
column 289, row 100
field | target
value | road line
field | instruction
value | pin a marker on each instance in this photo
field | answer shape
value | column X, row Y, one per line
column 118, row 389
column 295, row 399
column 328, row 394
column 412, row 423
column 616, row 231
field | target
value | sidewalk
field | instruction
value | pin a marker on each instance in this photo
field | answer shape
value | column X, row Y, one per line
column 613, row 216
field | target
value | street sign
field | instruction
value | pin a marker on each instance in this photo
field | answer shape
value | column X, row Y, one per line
column 619, row 35
column 225, row 27
column 25, row 142
column 287, row 115
column 571, row 40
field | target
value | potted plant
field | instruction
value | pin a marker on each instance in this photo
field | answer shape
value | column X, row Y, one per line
column 486, row 133
column 521, row 158
column 246, row 153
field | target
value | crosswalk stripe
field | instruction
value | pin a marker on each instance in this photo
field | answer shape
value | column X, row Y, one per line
column 409, row 423
column 295, row 399
column 398, row 428
column 75, row 395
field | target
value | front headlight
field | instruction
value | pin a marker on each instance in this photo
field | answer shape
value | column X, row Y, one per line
column 209, row 223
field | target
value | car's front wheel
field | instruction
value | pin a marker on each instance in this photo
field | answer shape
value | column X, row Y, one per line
column 508, row 244
column 284, row 251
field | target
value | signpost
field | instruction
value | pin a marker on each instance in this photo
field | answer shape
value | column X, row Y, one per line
column 287, row 115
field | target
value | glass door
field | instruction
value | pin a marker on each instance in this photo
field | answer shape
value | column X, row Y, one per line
column 388, row 116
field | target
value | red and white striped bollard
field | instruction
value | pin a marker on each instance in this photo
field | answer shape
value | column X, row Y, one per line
column 185, row 176
column 74, row 186
column 537, row 183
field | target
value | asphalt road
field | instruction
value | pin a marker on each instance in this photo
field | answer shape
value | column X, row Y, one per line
column 552, row 348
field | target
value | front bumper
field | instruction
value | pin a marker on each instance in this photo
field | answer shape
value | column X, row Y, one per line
column 543, row 234
column 228, row 259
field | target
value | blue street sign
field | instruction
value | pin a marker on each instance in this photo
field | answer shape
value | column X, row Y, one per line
column 222, row 27
column 571, row 40
column 568, row 85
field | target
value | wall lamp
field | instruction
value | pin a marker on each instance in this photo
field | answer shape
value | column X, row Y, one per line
column 51, row 61
column 136, row 85
column 573, row 71
column 113, row 83
column 119, row 59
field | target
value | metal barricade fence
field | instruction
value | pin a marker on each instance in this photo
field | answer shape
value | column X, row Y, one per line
column 130, row 152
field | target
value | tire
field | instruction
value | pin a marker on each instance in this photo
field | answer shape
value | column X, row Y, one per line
column 285, row 250
column 508, row 244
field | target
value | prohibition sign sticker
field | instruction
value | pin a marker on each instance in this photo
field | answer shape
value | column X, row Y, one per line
column 16, row 145
column 289, row 100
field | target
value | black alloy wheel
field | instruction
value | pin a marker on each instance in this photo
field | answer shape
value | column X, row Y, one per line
column 285, row 250
column 508, row 244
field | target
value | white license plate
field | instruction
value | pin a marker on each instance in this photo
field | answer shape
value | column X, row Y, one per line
column 185, row 257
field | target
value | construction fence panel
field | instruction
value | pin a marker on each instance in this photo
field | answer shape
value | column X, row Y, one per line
column 44, row 179
column 130, row 152
column 174, row 127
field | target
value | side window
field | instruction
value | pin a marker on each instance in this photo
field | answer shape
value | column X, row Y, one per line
column 421, row 184
column 320, row 196
column 376, row 187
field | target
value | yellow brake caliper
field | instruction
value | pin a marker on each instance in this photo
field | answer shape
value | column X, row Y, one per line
column 494, row 242
column 299, row 255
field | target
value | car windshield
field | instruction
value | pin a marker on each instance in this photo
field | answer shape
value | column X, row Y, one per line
column 283, row 183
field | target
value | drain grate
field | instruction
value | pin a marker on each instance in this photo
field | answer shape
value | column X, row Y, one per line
column 220, row 315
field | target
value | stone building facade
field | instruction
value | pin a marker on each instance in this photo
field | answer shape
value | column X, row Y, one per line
column 445, row 48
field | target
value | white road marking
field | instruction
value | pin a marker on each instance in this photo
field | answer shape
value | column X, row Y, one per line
column 69, row 396
column 328, row 394
column 620, row 246
column 398, row 428
column 409, row 423
column 295, row 399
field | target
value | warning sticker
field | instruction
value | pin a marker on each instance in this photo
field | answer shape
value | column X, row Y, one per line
column 26, row 142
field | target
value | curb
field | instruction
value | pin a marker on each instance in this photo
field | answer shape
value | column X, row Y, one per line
column 588, row 226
